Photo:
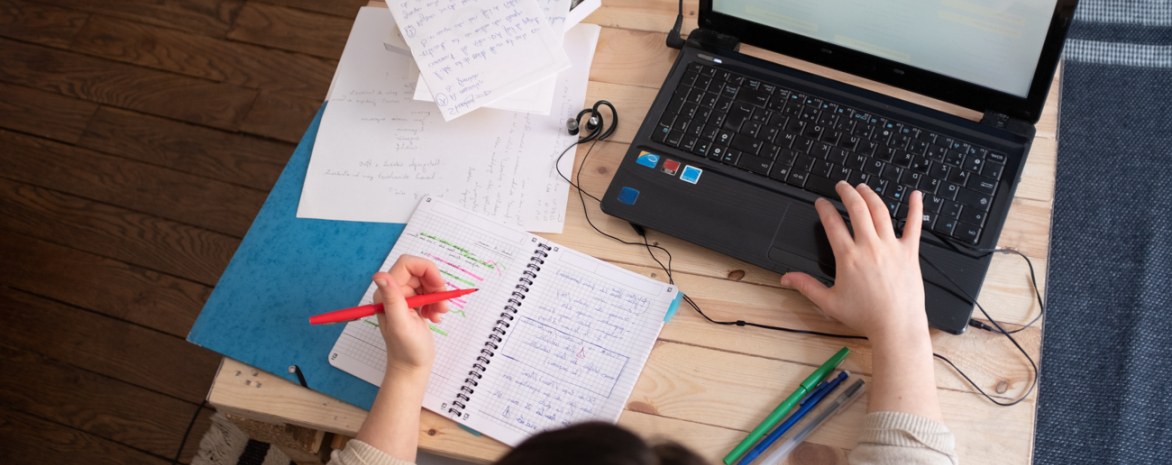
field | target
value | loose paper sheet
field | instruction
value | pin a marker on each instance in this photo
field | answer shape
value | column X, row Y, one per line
column 536, row 98
column 474, row 52
column 378, row 151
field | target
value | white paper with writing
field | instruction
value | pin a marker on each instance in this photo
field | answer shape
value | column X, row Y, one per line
column 378, row 151
column 474, row 52
column 571, row 352
column 536, row 98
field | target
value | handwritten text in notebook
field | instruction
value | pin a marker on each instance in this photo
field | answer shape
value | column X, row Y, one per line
column 473, row 52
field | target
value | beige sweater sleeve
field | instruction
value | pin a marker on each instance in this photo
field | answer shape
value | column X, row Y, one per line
column 889, row 438
column 360, row 453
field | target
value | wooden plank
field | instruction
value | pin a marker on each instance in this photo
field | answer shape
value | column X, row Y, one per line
column 280, row 116
column 215, row 205
column 103, row 81
column 343, row 8
column 636, row 58
column 98, row 405
column 44, row 114
column 291, row 29
column 28, row 439
column 45, row 25
column 110, row 287
column 229, row 157
column 143, row 357
column 696, row 384
column 136, row 238
column 208, row 17
column 206, row 57
column 645, row 15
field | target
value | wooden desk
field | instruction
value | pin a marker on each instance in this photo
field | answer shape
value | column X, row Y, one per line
column 705, row 385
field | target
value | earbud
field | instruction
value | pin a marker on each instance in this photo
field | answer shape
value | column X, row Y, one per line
column 572, row 126
column 594, row 123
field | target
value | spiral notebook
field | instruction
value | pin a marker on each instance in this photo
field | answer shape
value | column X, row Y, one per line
column 553, row 337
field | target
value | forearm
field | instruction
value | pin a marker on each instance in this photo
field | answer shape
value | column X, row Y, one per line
column 393, row 423
column 904, row 374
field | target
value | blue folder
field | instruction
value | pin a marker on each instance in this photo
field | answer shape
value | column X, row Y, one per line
column 289, row 268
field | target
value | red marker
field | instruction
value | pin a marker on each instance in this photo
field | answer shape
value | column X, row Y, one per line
column 342, row 316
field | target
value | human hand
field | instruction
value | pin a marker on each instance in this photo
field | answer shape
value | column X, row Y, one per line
column 410, row 344
column 878, row 289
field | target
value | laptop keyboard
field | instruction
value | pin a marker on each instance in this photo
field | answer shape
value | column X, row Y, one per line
column 812, row 143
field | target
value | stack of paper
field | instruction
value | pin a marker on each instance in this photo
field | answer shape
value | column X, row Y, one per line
column 378, row 151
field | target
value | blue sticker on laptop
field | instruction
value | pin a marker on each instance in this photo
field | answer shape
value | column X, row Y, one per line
column 648, row 159
column 628, row 196
column 691, row 174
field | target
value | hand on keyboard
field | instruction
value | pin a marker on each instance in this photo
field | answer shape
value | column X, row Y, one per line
column 878, row 289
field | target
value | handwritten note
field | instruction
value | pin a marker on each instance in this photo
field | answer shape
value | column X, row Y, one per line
column 378, row 151
column 474, row 52
column 535, row 98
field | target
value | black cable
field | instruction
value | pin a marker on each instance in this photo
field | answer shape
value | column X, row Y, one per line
column 674, row 38
column 188, row 432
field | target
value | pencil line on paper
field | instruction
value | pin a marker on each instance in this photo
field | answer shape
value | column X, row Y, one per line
column 453, row 265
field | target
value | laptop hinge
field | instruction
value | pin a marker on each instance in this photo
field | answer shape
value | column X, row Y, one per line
column 1013, row 125
column 706, row 37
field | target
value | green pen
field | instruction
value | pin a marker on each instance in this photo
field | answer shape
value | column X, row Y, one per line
column 786, row 405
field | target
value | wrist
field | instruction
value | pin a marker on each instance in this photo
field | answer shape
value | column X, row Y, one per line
column 406, row 375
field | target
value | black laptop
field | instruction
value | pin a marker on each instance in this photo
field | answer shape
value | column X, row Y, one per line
column 735, row 149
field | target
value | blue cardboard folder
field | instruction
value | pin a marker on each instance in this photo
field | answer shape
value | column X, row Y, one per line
column 286, row 270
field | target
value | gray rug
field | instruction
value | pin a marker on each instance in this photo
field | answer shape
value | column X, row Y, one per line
column 1105, row 395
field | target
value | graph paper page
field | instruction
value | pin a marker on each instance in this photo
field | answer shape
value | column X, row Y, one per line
column 470, row 252
column 575, row 350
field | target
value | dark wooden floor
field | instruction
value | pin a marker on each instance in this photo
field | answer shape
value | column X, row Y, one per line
column 138, row 139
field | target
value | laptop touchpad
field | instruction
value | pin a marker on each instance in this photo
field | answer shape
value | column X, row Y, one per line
column 800, row 243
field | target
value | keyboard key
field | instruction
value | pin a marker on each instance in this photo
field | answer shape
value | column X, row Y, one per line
column 709, row 132
column 974, row 151
column 821, row 186
column 966, row 232
column 929, row 220
column 820, row 149
column 688, row 142
column 911, row 178
column 797, row 178
column 827, row 119
column 795, row 126
column 900, row 192
column 839, row 173
column 780, row 172
column 874, row 167
column 939, row 170
column 785, row 139
column 689, row 109
column 754, row 97
column 821, row 168
column 973, row 164
column 730, row 157
column 809, row 115
column 689, row 78
column 849, row 142
column 747, row 144
column 933, row 203
column 857, row 177
column 717, row 118
column 792, row 110
column 768, row 133
column 804, row 162
column 868, row 148
column 729, row 90
column 769, row 151
column 831, row 136
column 723, row 104
column 755, row 164
column 838, row 156
column 947, row 190
column 760, row 116
column 891, row 173
column 708, row 71
column 702, row 82
column 681, row 124
column 954, row 157
column 959, row 177
column 974, row 199
column 813, row 131
column 802, row 145
column 702, row 147
column 903, row 158
column 920, row 164
column 777, row 120
column 983, row 185
column 996, row 157
column 944, row 226
column 710, row 99
column 787, row 157
column 993, row 170
column 717, row 152
column 877, row 185
column 723, row 75
column 901, row 214
column 930, row 185
column 973, row 215
column 856, row 162
column 750, row 129
column 950, row 209
column 737, row 115
column 813, row 102
column 674, row 138
column 918, row 146
column 935, row 153
column 724, row 137
column 885, row 153
column 661, row 133
column 695, row 128
column 737, row 80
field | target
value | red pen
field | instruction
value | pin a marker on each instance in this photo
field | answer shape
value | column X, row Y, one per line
column 342, row 316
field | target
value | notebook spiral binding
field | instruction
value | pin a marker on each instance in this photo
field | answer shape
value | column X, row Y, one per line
column 498, row 332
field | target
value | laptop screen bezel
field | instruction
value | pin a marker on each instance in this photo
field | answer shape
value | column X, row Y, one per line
column 902, row 75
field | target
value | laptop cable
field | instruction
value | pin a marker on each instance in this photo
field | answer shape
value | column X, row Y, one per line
column 598, row 134
column 675, row 38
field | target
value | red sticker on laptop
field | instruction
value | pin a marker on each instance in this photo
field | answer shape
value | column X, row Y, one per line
column 670, row 166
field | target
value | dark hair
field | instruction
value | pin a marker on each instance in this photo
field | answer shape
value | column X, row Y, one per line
column 597, row 443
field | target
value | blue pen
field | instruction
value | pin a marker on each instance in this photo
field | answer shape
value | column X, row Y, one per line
column 806, row 405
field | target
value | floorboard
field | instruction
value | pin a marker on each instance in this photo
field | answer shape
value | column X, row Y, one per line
column 139, row 138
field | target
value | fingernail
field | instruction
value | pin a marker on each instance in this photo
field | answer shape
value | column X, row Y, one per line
column 381, row 282
column 785, row 279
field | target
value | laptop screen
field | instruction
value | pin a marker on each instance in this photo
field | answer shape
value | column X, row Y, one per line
column 990, row 43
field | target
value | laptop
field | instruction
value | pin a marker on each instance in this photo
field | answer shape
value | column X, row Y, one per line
column 735, row 149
